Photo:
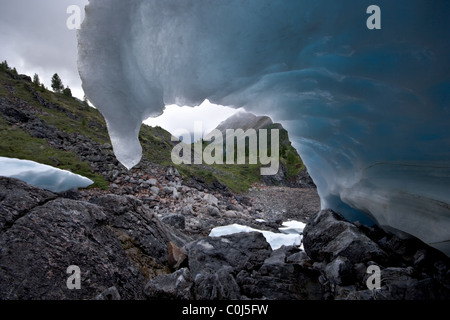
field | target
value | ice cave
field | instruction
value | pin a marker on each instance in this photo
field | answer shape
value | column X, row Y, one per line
column 368, row 109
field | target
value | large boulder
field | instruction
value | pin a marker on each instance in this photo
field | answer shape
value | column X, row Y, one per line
column 175, row 286
column 343, row 252
column 114, row 241
column 133, row 222
column 285, row 275
column 37, row 249
column 240, row 251
column 214, row 262
column 17, row 198
column 328, row 235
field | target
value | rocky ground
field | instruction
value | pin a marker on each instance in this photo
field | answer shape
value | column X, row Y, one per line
column 196, row 208
column 147, row 239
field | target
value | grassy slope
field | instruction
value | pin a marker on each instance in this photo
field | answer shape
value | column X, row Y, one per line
column 14, row 142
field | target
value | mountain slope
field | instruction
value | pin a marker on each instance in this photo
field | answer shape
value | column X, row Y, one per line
column 244, row 120
column 292, row 172
column 64, row 132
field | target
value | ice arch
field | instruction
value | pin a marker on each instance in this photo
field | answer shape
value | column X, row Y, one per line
column 369, row 110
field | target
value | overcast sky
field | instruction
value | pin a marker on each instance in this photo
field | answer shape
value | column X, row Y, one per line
column 34, row 38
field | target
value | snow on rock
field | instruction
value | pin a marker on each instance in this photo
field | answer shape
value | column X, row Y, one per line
column 276, row 240
column 292, row 226
column 368, row 110
column 41, row 175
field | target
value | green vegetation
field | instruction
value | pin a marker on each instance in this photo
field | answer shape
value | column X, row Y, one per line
column 239, row 177
column 67, row 92
column 16, row 143
column 72, row 115
column 57, row 84
column 36, row 80
column 4, row 66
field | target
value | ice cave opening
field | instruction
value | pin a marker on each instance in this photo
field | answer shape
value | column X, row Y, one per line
column 368, row 110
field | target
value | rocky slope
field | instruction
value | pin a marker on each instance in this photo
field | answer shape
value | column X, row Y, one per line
column 292, row 172
column 126, row 251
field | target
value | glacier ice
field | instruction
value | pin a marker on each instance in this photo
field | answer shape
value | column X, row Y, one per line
column 41, row 175
column 368, row 110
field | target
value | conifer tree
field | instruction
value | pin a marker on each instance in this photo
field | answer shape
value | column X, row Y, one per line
column 57, row 84
column 4, row 65
column 36, row 80
column 67, row 92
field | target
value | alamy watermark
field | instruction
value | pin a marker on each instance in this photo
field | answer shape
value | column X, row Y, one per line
column 74, row 280
column 74, row 19
column 237, row 147
column 373, row 282
column 374, row 21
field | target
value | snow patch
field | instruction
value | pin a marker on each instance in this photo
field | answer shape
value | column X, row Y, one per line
column 41, row 175
column 276, row 240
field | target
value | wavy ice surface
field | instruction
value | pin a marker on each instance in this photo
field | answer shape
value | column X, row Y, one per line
column 41, row 175
column 368, row 110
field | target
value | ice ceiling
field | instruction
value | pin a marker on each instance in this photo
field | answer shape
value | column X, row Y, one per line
column 368, row 110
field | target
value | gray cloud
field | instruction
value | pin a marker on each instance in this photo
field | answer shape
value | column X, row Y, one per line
column 35, row 39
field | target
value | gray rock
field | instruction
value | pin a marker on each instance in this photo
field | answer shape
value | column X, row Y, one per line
column 230, row 214
column 240, row 251
column 216, row 285
column 172, row 172
column 213, row 211
column 328, row 235
column 17, row 198
column 168, row 190
column 340, row 271
column 37, row 248
column 187, row 210
column 109, row 294
column 282, row 281
column 151, row 182
column 135, row 224
column 177, row 221
column 154, row 190
column 175, row 286
column 211, row 200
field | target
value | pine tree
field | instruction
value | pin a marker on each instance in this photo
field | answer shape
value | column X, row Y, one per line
column 67, row 92
column 36, row 80
column 4, row 66
column 57, row 84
